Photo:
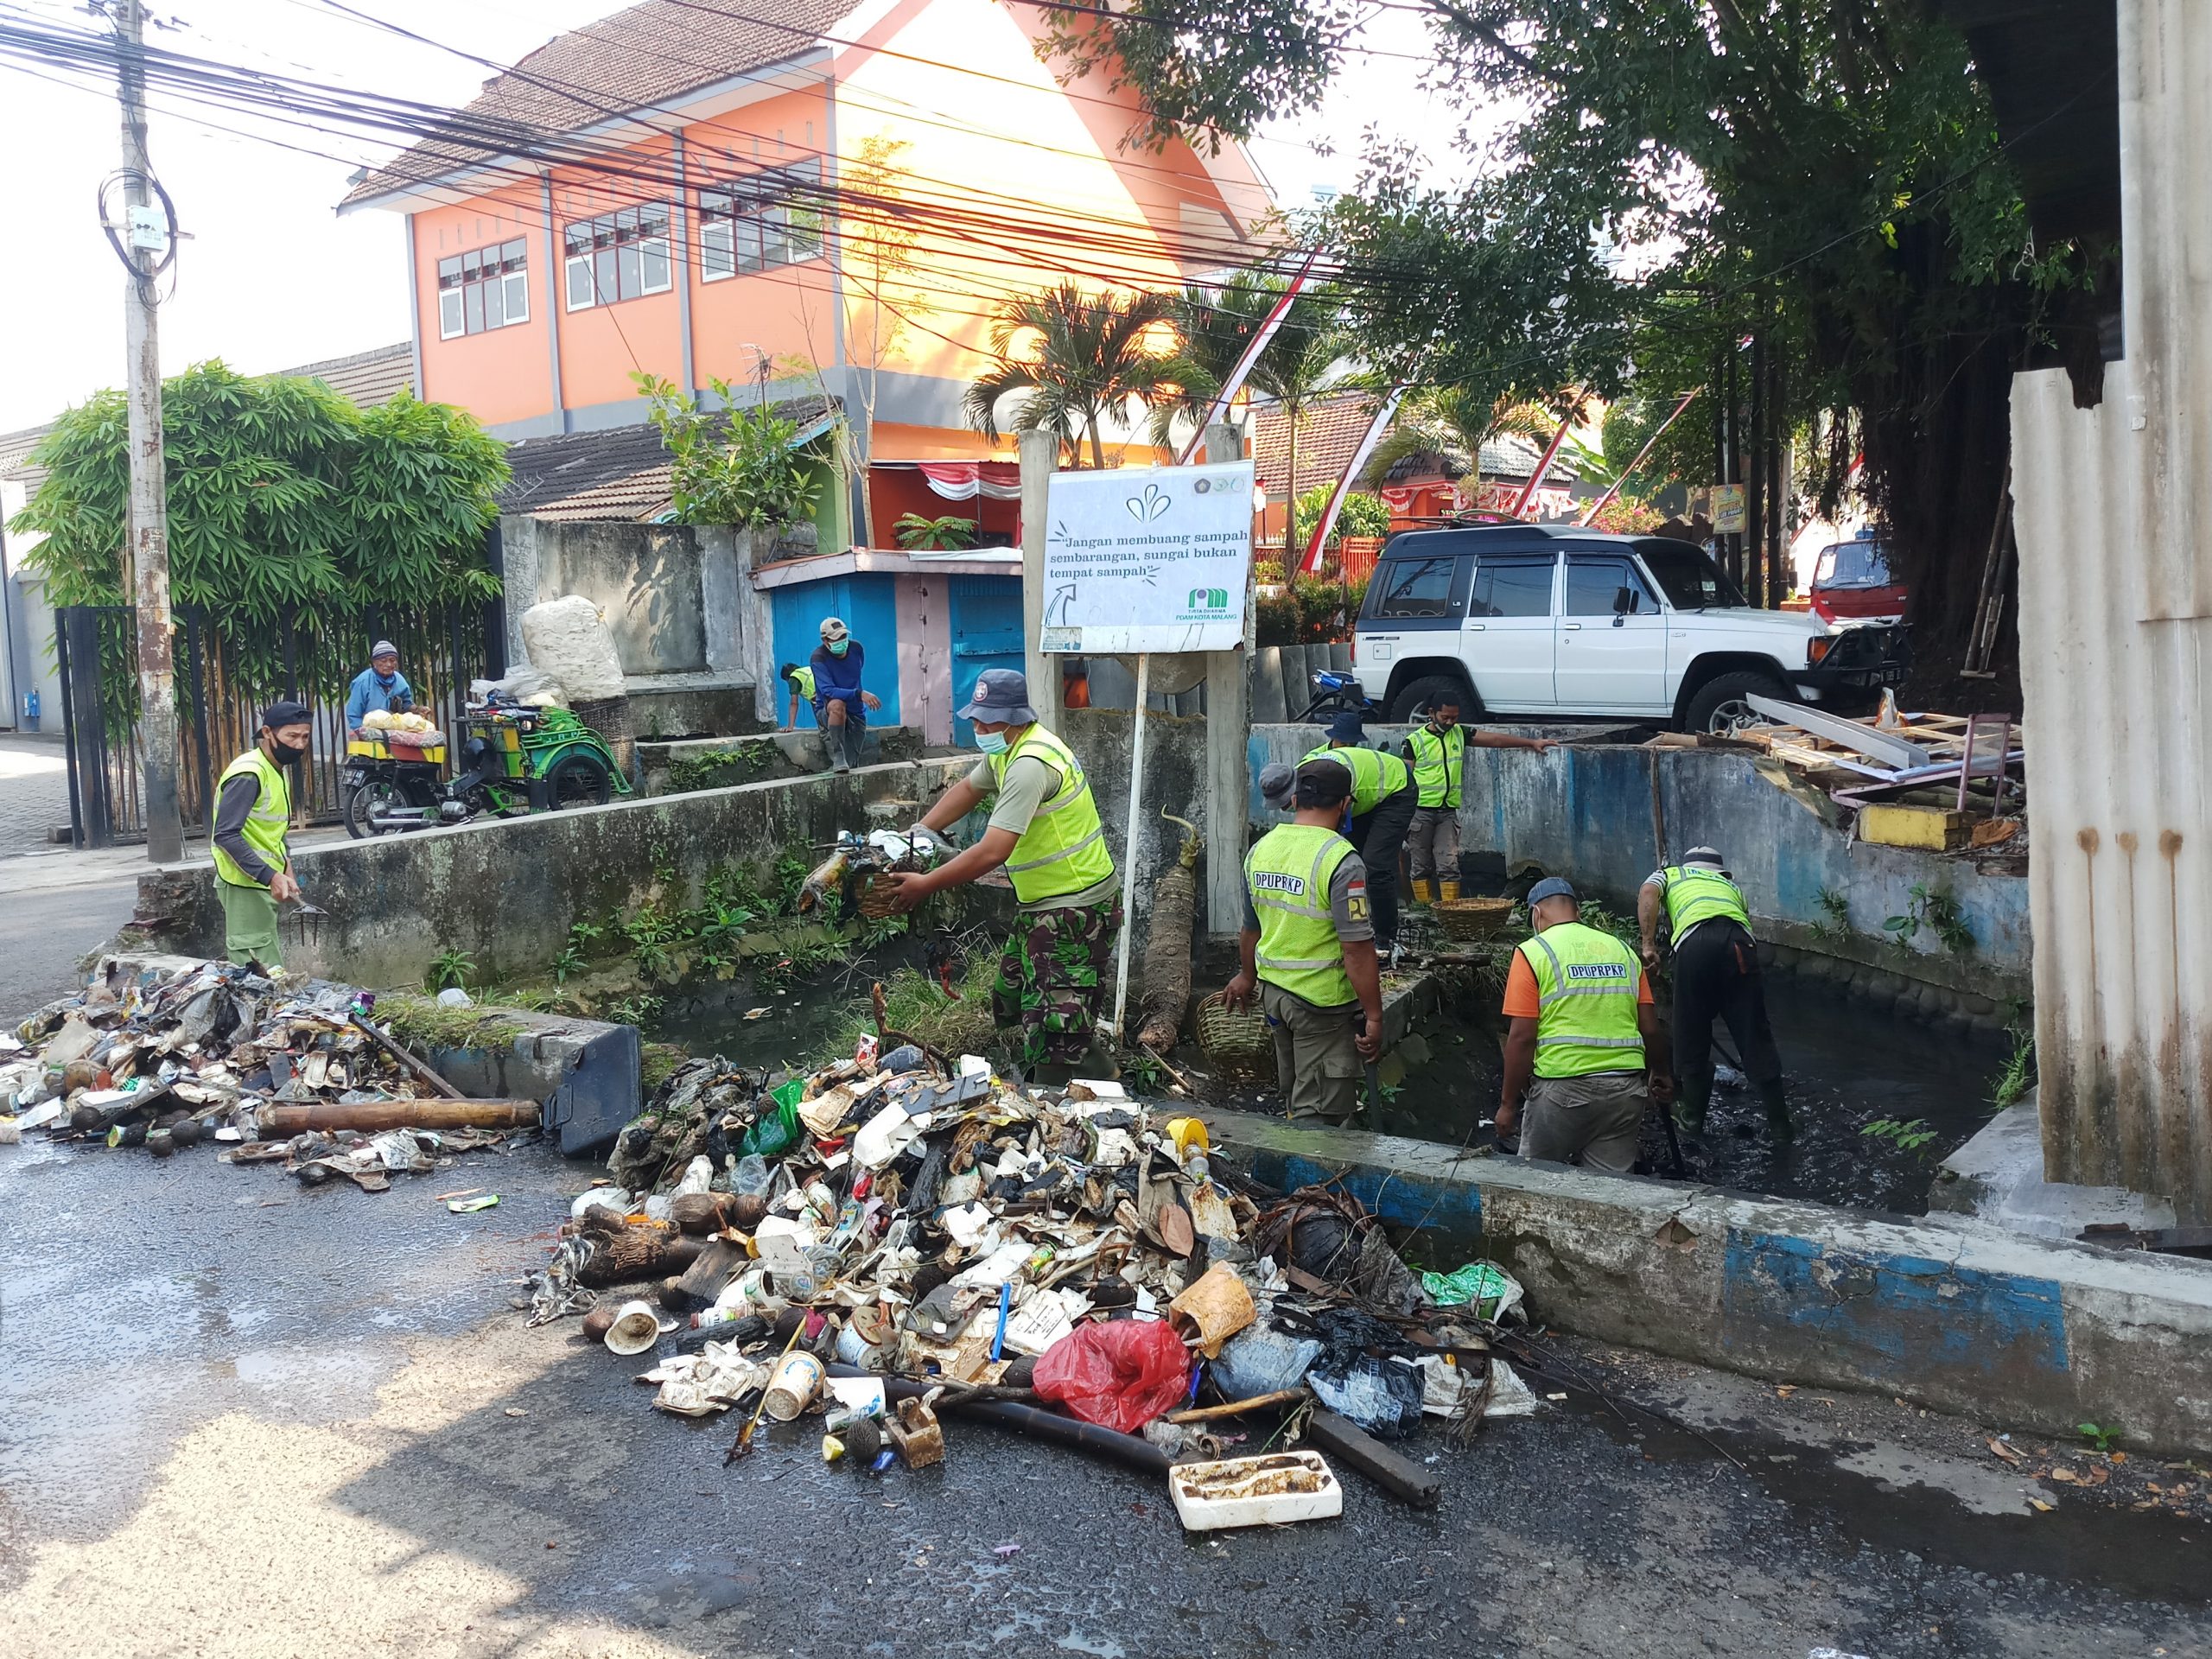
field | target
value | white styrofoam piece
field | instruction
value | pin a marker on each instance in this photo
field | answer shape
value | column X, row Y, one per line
column 1241, row 1492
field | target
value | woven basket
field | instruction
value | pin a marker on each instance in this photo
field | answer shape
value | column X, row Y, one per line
column 876, row 892
column 1475, row 919
column 1238, row 1046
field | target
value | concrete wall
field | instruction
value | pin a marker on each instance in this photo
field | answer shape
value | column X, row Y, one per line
column 2015, row 1332
column 504, row 893
column 1597, row 814
column 2113, row 518
column 692, row 634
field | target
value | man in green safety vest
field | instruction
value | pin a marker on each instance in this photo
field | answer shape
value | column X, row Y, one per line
column 1382, row 801
column 1716, row 976
column 1309, row 950
column 1045, row 829
column 1581, row 1021
column 1437, row 752
column 253, row 810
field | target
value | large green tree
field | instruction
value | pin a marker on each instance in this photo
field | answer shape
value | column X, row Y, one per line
column 1679, row 173
column 284, row 498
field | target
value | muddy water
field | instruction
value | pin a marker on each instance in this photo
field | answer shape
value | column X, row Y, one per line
column 1846, row 1067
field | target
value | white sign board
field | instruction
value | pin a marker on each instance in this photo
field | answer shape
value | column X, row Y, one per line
column 1147, row 559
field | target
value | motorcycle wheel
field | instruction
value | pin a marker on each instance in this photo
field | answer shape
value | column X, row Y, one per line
column 580, row 779
column 362, row 807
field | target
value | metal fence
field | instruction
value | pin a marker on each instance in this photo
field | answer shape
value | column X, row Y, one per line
column 225, row 681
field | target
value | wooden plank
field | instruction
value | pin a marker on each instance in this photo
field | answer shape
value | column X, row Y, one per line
column 1886, row 747
column 1930, row 828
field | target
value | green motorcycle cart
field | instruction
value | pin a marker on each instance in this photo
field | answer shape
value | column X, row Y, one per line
column 514, row 759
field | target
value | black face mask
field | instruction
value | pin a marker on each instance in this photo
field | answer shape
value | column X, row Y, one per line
column 286, row 754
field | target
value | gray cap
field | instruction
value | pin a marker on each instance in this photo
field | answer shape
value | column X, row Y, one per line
column 383, row 648
column 1277, row 784
column 1702, row 858
column 1552, row 886
column 1002, row 696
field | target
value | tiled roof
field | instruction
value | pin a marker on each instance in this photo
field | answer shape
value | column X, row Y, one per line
column 367, row 377
column 639, row 57
column 1326, row 438
column 621, row 472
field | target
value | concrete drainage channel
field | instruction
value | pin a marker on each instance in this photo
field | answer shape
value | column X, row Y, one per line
column 2020, row 1332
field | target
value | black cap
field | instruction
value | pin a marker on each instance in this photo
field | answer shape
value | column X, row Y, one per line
column 1324, row 783
column 286, row 714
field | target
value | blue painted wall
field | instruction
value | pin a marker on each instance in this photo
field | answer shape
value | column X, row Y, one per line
column 986, row 619
column 869, row 606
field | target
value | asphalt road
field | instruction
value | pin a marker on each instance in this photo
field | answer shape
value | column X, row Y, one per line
column 245, row 1418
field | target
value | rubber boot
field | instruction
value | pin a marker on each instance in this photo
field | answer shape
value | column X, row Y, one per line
column 1450, row 889
column 835, row 737
column 1423, row 891
column 1779, row 1124
column 1690, row 1105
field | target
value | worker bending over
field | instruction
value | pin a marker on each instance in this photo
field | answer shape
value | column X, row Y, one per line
column 1309, row 947
column 1044, row 830
column 1437, row 751
column 253, row 811
column 1716, row 976
column 1581, row 1020
column 1382, row 801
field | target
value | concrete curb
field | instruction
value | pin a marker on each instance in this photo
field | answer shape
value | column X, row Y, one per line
column 2017, row 1331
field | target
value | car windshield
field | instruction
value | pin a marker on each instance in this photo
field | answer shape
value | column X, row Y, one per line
column 1852, row 564
column 1690, row 581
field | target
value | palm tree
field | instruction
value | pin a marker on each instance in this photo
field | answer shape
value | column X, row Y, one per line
column 1212, row 328
column 1302, row 363
column 1452, row 423
column 1089, row 361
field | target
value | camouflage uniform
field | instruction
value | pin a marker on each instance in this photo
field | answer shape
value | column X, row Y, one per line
column 1052, row 980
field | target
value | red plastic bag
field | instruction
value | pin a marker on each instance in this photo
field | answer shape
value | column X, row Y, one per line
column 1121, row 1374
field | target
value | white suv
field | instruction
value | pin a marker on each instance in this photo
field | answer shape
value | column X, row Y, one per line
column 1552, row 619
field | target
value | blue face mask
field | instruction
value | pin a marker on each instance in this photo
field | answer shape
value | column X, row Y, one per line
column 837, row 646
column 991, row 742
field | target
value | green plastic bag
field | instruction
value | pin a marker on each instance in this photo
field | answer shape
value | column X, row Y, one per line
column 1490, row 1288
column 776, row 1132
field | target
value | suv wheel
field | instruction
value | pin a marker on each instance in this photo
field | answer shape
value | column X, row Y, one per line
column 1722, row 703
column 1410, row 702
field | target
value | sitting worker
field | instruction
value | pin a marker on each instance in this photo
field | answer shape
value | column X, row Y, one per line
column 840, row 706
column 379, row 687
column 1045, row 829
column 1382, row 801
column 253, row 811
column 1580, row 1019
column 1716, row 976
column 1437, row 751
column 1309, row 949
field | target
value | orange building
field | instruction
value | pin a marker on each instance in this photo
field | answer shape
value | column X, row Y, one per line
column 819, row 198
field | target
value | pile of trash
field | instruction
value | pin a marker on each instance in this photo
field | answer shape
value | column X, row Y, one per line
column 168, row 1053
column 890, row 1237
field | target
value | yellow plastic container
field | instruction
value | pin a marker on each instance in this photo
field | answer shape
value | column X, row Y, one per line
column 375, row 749
column 1186, row 1133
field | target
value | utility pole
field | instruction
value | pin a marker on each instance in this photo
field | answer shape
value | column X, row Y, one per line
column 145, row 236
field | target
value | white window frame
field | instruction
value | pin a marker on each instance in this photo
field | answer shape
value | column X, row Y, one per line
column 497, row 268
column 623, row 233
column 745, row 223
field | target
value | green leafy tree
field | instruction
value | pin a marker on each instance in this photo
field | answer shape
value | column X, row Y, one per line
column 944, row 535
column 284, row 498
column 1825, row 173
column 1361, row 515
column 741, row 467
column 1071, row 360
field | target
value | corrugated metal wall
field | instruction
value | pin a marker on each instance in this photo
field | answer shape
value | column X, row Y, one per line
column 2114, row 524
